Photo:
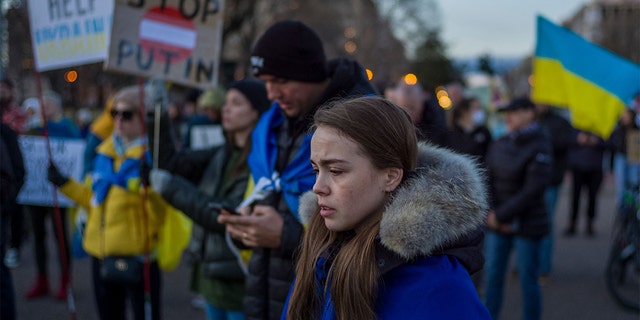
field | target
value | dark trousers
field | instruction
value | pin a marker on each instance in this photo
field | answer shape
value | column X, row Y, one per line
column 591, row 179
column 7, row 294
column 38, row 216
column 17, row 226
column 111, row 298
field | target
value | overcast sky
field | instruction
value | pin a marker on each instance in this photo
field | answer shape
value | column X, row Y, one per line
column 501, row 28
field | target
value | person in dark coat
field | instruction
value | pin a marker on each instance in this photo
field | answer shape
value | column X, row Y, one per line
column 468, row 133
column 585, row 162
column 289, row 58
column 385, row 219
column 519, row 170
column 12, row 174
column 200, row 183
column 426, row 114
column 561, row 135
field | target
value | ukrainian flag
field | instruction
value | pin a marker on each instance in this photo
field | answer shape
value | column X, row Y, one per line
column 594, row 83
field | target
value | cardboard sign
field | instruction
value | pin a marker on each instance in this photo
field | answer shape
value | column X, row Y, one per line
column 69, row 33
column 68, row 156
column 174, row 40
column 633, row 146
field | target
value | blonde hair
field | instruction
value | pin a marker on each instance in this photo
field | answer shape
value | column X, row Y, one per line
column 130, row 96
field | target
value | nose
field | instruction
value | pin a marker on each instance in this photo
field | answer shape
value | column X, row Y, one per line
column 319, row 187
column 273, row 92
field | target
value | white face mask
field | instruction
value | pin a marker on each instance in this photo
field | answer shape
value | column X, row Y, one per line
column 478, row 117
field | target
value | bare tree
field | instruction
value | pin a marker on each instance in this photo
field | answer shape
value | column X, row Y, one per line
column 411, row 20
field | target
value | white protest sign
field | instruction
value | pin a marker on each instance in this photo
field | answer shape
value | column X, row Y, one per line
column 174, row 40
column 66, row 33
column 206, row 136
column 68, row 156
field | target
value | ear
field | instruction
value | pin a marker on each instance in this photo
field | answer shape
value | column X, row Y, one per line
column 392, row 179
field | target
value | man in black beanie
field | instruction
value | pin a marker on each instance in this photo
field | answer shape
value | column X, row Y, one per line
column 289, row 58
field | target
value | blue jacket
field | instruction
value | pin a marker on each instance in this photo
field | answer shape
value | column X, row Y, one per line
column 429, row 242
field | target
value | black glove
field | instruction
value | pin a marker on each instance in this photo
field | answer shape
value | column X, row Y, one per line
column 145, row 168
column 55, row 176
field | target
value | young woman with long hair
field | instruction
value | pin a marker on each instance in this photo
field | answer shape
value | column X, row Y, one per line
column 394, row 225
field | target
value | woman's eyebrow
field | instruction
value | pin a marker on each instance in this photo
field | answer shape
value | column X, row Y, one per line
column 326, row 162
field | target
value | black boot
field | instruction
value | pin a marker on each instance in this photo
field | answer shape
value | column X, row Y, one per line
column 590, row 231
column 571, row 230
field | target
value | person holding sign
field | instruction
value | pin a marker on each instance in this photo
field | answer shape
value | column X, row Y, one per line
column 124, row 221
column 289, row 58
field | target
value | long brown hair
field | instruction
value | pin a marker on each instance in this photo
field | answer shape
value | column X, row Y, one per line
column 386, row 135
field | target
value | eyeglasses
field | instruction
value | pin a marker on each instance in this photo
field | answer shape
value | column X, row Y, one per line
column 124, row 115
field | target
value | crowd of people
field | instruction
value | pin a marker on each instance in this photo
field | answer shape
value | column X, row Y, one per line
column 312, row 195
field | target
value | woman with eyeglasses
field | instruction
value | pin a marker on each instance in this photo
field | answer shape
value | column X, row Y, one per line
column 123, row 220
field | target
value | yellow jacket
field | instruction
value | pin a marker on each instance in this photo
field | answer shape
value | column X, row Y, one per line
column 124, row 220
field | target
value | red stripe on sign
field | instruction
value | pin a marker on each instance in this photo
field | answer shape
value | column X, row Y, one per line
column 165, row 33
column 169, row 15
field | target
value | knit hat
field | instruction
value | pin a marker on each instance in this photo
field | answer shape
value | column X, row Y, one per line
column 518, row 104
column 255, row 91
column 211, row 99
column 290, row 50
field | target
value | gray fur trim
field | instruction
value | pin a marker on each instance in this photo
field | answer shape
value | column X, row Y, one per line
column 308, row 206
column 444, row 201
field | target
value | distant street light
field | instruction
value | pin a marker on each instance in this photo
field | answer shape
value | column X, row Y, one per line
column 410, row 79
column 350, row 47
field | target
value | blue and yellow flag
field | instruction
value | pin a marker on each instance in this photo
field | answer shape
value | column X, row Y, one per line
column 594, row 83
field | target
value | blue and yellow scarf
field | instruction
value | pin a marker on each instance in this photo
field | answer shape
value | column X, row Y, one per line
column 296, row 178
column 126, row 176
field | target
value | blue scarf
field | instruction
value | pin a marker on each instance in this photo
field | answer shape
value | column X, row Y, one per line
column 104, row 176
column 296, row 178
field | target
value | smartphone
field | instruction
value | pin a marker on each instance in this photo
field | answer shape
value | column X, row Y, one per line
column 218, row 206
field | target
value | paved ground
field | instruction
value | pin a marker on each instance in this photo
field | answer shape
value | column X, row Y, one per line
column 576, row 289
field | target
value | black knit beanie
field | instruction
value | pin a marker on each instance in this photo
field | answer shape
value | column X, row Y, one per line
column 255, row 91
column 290, row 50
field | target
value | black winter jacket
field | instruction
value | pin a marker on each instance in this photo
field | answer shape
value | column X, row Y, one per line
column 475, row 143
column 519, row 168
column 586, row 157
column 12, row 171
column 562, row 136
column 195, row 188
column 271, row 271
column 433, row 127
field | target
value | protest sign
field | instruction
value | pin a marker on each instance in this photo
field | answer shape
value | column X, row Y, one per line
column 69, row 33
column 68, row 156
column 174, row 40
column 206, row 136
column 633, row 146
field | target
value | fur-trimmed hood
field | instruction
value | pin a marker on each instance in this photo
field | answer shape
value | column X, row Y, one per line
column 435, row 210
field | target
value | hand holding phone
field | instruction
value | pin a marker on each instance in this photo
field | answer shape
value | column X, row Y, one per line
column 219, row 207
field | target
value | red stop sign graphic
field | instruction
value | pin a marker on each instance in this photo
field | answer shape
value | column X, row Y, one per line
column 166, row 34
